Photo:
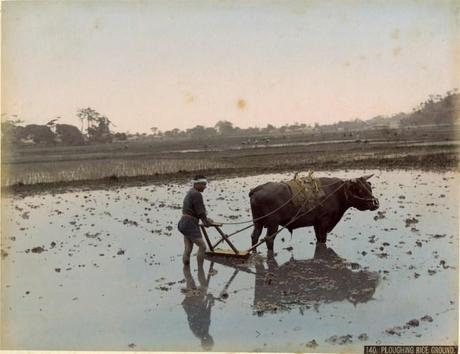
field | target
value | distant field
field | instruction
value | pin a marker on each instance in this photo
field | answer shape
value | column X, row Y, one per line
column 409, row 149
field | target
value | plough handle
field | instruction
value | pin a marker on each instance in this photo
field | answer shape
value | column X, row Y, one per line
column 232, row 234
column 222, row 234
column 225, row 237
column 205, row 233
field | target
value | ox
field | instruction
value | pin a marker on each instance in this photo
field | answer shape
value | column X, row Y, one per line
column 271, row 207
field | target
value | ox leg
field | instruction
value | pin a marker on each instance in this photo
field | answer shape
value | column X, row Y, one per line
column 321, row 234
column 272, row 229
column 256, row 233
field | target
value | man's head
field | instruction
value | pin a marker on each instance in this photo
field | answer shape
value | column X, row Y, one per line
column 207, row 343
column 199, row 183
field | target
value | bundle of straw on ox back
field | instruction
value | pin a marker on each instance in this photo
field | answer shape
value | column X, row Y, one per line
column 306, row 191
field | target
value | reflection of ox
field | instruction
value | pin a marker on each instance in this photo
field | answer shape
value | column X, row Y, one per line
column 322, row 279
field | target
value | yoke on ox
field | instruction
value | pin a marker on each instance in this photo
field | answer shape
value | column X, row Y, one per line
column 273, row 204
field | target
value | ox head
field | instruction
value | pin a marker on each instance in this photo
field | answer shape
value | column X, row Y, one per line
column 358, row 192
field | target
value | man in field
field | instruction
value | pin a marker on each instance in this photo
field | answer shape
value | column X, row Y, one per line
column 193, row 210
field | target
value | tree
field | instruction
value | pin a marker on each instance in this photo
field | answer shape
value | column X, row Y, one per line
column 89, row 115
column 69, row 134
column 120, row 136
column 197, row 132
column 52, row 122
column 97, row 125
column 224, row 127
column 11, row 131
column 173, row 133
column 252, row 130
column 210, row 131
column 38, row 133
column 269, row 128
column 100, row 132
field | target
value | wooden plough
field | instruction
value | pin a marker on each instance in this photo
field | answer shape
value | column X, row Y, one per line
column 232, row 252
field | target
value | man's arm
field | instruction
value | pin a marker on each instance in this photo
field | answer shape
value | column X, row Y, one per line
column 200, row 209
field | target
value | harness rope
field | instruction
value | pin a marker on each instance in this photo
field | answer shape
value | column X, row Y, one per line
column 294, row 218
column 273, row 211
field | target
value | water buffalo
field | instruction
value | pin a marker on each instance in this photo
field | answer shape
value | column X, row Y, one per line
column 339, row 196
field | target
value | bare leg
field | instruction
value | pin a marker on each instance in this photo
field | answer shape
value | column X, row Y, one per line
column 201, row 250
column 188, row 246
column 202, row 278
column 188, row 277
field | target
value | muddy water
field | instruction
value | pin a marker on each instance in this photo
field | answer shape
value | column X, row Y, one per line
column 102, row 270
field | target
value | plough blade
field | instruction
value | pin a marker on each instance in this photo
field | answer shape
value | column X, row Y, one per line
column 228, row 253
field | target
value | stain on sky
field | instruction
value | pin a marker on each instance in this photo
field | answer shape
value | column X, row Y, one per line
column 189, row 97
column 241, row 104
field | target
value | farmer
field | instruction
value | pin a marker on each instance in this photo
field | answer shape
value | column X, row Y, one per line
column 193, row 210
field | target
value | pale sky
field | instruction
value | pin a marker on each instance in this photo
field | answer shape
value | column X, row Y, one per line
column 178, row 64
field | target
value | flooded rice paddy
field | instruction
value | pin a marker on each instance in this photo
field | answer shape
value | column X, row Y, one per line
column 102, row 270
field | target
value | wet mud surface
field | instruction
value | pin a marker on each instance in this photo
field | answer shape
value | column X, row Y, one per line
column 102, row 270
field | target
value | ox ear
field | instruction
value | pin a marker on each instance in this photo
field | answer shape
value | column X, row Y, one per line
column 367, row 177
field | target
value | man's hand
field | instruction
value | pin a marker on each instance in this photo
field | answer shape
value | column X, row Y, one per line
column 209, row 222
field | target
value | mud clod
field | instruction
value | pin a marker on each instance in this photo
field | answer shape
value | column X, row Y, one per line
column 394, row 331
column 411, row 221
column 413, row 323
column 380, row 215
column 340, row 340
column 427, row 318
column 311, row 344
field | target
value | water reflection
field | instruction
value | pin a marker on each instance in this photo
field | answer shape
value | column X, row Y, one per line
column 197, row 305
column 304, row 283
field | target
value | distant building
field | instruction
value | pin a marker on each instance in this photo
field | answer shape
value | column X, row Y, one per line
column 387, row 125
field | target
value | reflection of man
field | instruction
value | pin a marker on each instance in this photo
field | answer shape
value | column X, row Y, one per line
column 197, row 304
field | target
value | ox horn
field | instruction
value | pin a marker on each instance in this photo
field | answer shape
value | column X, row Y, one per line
column 367, row 177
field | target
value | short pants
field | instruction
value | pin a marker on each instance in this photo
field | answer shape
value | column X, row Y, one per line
column 188, row 226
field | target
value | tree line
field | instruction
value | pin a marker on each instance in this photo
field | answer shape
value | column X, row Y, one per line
column 97, row 130
column 96, row 127
column 436, row 110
